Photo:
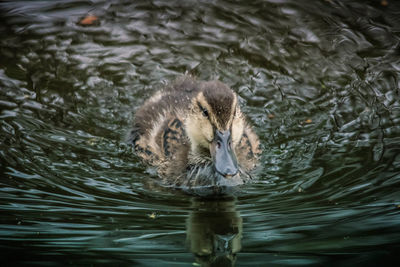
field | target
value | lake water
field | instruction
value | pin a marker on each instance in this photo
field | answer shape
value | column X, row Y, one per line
column 319, row 80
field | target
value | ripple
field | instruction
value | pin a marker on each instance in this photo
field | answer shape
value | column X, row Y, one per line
column 319, row 81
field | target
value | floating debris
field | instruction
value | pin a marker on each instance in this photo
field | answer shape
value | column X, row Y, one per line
column 89, row 20
column 153, row 215
column 94, row 141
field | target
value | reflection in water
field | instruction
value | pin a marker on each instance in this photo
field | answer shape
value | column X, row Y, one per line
column 214, row 232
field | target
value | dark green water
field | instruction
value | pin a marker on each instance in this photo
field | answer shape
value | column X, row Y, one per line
column 320, row 81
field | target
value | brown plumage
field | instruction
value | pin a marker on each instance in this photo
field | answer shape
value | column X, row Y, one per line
column 194, row 133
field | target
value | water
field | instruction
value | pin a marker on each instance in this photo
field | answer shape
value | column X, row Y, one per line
column 319, row 80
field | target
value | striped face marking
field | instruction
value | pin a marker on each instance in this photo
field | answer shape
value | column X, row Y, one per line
column 214, row 110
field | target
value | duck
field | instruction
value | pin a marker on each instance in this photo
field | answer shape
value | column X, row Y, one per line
column 195, row 135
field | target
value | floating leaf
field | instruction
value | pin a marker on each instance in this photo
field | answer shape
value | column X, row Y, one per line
column 88, row 20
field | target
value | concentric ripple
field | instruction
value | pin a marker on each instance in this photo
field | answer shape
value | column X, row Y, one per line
column 319, row 80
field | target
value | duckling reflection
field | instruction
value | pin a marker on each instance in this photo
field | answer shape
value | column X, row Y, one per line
column 214, row 232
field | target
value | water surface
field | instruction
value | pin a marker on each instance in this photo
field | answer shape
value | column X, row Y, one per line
column 319, row 80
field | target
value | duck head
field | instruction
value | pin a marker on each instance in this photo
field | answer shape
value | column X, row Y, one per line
column 214, row 126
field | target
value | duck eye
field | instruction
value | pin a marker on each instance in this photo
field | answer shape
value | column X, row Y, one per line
column 205, row 112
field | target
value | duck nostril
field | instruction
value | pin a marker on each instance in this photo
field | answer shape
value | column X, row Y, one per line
column 218, row 144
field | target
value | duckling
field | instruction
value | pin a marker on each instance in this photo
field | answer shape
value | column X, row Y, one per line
column 195, row 134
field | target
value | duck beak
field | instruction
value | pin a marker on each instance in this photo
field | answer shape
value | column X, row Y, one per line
column 225, row 161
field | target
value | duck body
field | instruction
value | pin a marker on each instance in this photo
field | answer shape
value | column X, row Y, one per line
column 194, row 133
